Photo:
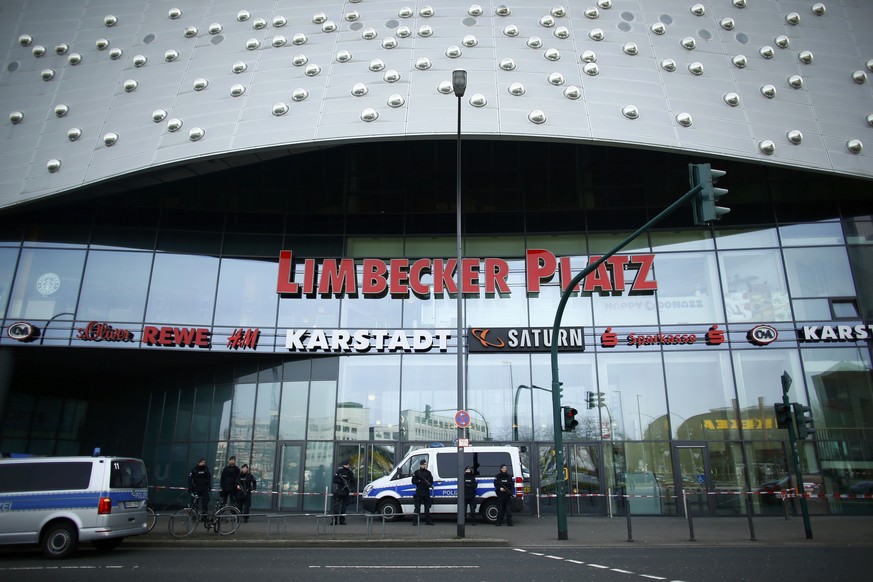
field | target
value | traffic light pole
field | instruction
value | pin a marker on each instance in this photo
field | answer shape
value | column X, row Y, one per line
column 561, row 501
column 792, row 441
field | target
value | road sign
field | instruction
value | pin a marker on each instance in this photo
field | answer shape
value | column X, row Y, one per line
column 462, row 419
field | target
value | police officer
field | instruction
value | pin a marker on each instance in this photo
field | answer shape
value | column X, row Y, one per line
column 200, row 482
column 343, row 483
column 504, row 486
column 229, row 481
column 470, row 493
column 423, row 481
column 247, row 483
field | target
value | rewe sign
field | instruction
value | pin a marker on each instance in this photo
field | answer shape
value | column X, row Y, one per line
column 425, row 277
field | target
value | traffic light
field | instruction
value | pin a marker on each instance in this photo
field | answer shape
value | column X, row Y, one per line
column 569, row 413
column 589, row 400
column 803, row 423
column 426, row 412
column 783, row 415
column 704, row 203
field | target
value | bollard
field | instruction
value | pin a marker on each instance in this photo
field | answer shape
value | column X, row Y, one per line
column 785, row 505
column 609, row 502
column 749, row 516
column 688, row 516
column 627, row 512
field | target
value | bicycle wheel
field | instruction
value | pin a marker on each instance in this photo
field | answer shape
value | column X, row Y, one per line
column 226, row 520
column 151, row 519
column 183, row 522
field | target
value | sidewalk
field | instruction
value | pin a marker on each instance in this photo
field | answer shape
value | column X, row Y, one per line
column 299, row 530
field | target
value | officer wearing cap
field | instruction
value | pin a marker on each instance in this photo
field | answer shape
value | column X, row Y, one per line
column 423, row 481
column 470, row 493
column 343, row 484
column 200, row 482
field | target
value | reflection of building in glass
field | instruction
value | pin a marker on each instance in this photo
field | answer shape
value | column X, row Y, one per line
column 352, row 421
column 428, row 426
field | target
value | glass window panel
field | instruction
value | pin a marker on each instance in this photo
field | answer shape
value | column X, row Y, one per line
column 840, row 383
column 370, row 312
column 688, row 288
column 683, row 240
column 221, row 411
column 19, row 415
column 746, row 239
column 322, row 410
column 115, row 286
column 578, row 374
column 317, row 473
column 429, row 398
column 368, row 399
column 758, row 378
column 432, row 247
column 859, row 231
column 499, row 398
column 604, row 242
column 182, row 290
column 819, row 272
column 242, row 414
column 367, row 248
column 261, row 466
column 754, row 286
column 647, row 468
column 309, row 312
column 246, row 293
column 46, row 283
column 292, row 420
column 122, row 238
column 701, row 394
column 811, row 309
column 847, row 308
column 862, row 266
column 183, row 418
column 267, row 410
column 815, row 234
column 494, row 246
column 634, row 393
column 8, row 258
column 499, row 310
column 202, row 413
column 171, row 407
column 558, row 244
column 543, row 308
column 613, row 310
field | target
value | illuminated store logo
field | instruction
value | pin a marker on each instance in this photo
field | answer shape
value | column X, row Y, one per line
column 834, row 333
column 524, row 339
column 22, row 331
column 190, row 337
column 244, row 338
column 713, row 337
column 361, row 341
column 425, row 277
column 761, row 335
column 103, row 332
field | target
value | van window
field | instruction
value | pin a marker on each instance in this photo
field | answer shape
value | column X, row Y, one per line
column 61, row 476
column 484, row 464
column 127, row 474
column 410, row 466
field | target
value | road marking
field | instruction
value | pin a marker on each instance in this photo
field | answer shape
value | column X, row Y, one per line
column 652, row 577
column 621, row 571
column 554, row 557
column 575, row 561
column 599, row 566
column 416, row 567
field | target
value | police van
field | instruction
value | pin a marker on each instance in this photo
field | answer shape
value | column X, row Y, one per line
column 392, row 495
column 57, row 502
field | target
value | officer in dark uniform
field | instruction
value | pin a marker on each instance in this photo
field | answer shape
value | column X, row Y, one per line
column 343, row 484
column 470, row 493
column 423, row 481
column 504, row 487
column 229, row 481
column 200, row 482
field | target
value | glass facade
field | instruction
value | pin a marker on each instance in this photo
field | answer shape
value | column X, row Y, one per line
column 682, row 409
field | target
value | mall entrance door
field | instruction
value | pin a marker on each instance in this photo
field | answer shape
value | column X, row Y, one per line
column 289, row 478
column 368, row 462
column 693, row 475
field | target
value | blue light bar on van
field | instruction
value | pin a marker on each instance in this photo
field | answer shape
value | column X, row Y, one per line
column 436, row 445
column 96, row 452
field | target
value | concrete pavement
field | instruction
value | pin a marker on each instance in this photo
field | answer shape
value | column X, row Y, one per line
column 308, row 530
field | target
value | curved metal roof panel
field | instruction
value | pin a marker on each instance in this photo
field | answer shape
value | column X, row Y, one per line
column 93, row 91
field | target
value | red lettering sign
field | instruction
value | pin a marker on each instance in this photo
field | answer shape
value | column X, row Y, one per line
column 199, row 337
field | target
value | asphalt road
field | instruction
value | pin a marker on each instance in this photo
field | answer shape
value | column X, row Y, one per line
column 704, row 564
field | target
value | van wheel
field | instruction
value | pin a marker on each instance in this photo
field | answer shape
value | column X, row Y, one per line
column 489, row 511
column 389, row 509
column 60, row 541
column 107, row 545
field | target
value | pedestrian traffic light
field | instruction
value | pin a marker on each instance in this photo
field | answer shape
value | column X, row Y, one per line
column 569, row 413
column 704, row 203
column 426, row 412
column 783, row 415
column 803, row 420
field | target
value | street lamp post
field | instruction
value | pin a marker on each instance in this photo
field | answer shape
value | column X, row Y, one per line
column 459, row 86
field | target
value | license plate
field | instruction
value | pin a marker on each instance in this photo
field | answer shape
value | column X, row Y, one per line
column 131, row 504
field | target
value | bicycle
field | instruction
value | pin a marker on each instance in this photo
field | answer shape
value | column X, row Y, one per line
column 151, row 519
column 224, row 519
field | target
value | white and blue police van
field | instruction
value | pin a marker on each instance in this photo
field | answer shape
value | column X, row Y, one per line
column 58, row 502
column 392, row 496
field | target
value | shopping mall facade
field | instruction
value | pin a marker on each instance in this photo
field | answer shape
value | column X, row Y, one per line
column 237, row 235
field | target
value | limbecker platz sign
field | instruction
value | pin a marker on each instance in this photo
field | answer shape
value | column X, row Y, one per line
column 425, row 277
